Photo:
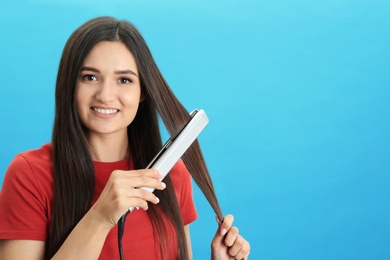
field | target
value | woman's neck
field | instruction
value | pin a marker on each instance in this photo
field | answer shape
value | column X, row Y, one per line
column 108, row 148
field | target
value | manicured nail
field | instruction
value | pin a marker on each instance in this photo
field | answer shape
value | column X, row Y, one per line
column 157, row 200
column 164, row 185
column 223, row 232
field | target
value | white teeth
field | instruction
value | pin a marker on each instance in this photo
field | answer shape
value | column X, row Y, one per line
column 105, row 111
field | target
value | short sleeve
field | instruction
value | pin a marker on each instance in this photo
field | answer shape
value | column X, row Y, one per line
column 182, row 184
column 23, row 209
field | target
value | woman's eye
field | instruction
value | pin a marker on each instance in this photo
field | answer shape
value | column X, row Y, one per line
column 89, row 77
column 125, row 81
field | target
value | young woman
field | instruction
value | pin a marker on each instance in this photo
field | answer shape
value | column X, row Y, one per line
column 64, row 200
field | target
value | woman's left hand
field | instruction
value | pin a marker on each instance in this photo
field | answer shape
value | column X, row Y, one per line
column 227, row 243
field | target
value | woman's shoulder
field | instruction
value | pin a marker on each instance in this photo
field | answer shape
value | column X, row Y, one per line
column 27, row 190
column 42, row 154
column 35, row 163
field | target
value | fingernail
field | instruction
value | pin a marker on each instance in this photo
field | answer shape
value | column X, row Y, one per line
column 157, row 200
column 217, row 219
column 223, row 232
column 163, row 185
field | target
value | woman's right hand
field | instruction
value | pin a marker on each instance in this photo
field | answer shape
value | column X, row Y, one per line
column 122, row 192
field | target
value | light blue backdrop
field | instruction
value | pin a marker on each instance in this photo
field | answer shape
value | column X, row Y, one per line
column 298, row 98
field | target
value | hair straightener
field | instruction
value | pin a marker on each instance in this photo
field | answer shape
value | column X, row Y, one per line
column 169, row 155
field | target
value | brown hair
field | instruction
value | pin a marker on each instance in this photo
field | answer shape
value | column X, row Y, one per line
column 72, row 163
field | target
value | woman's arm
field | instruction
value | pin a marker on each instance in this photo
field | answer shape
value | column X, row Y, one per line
column 84, row 242
column 188, row 238
column 120, row 193
column 22, row 249
column 87, row 238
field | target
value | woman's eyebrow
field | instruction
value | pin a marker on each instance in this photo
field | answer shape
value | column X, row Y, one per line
column 89, row 69
column 126, row 71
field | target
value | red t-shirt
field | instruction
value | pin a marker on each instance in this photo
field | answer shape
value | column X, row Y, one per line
column 26, row 200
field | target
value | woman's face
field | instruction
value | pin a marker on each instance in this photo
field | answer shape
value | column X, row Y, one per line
column 108, row 89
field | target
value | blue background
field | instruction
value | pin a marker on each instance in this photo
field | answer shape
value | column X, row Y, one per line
column 297, row 93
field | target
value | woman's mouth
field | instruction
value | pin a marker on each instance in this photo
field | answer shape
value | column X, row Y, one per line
column 105, row 111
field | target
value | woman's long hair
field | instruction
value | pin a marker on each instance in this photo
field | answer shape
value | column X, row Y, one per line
column 73, row 168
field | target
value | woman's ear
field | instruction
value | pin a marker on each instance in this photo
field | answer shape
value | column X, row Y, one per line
column 142, row 98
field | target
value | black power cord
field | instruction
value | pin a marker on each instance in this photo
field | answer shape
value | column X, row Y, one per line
column 121, row 231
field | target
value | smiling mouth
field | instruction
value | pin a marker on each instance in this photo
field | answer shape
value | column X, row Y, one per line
column 105, row 111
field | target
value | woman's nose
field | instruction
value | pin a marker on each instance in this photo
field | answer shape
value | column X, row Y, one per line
column 106, row 92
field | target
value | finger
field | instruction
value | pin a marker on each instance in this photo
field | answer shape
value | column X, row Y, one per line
column 244, row 251
column 146, row 181
column 120, row 174
column 226, row 224
column 231, row 236
column 218, row 238
column 224, row 227
column 138, row 203
column 144, row 195
column 153, row 173
column 239, row 248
